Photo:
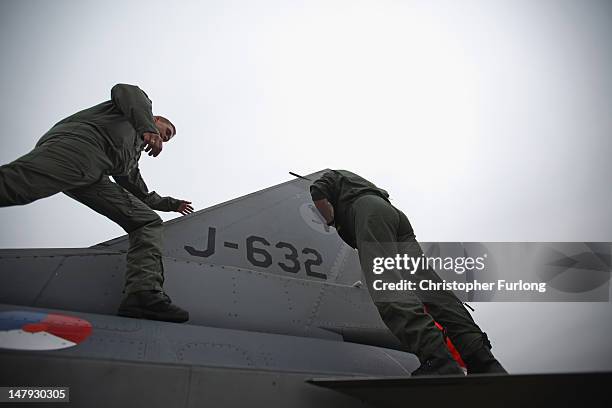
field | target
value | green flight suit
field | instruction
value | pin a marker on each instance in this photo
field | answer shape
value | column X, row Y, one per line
column 77, row 156
column 366, row 220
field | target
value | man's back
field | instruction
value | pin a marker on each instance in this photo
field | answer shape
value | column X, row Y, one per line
column 341, row 187
column 116, row 123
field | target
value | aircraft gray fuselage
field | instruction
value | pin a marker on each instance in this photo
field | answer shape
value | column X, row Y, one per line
column 269, row 288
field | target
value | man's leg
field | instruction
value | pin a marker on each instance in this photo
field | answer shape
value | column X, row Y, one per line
column 376, row 231
column 144, row 258
column 447, row 309
column 54, row 166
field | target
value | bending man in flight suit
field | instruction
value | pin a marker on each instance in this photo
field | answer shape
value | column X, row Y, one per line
column 77, row 156
column 366, row 220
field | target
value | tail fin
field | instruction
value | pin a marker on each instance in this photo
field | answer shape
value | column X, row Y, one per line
column 276, row 230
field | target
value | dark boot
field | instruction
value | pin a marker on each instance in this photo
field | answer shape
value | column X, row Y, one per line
column 152, row 305
column 482, row 360
column 439, row 363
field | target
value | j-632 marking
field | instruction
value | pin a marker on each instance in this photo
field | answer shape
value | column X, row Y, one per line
column 257, row 254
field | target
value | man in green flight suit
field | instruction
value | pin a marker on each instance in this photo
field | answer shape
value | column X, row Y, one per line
column 77, row 156
column 365, row 219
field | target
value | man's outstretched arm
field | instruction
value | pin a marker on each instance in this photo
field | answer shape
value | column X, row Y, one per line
column 134, row 183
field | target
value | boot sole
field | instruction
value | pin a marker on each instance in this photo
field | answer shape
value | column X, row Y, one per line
column 143, row 314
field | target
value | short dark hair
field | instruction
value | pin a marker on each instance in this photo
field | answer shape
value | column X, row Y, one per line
column 167, row 121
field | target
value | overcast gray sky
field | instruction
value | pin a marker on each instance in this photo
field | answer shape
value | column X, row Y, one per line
column 486, row 120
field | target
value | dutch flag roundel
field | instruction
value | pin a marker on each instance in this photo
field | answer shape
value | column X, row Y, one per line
column 24, row 330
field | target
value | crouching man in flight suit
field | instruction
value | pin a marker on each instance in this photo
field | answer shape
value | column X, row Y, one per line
column 77, row 156
column 366, row 220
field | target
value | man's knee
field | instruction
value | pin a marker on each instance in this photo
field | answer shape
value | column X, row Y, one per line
column 146, row 232
column 149, row 220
